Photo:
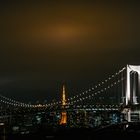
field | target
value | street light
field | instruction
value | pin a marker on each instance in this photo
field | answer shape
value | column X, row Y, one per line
column 3, row 125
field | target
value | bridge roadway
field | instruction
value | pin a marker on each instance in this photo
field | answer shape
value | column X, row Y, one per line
column 5, row 113
column 89, row 107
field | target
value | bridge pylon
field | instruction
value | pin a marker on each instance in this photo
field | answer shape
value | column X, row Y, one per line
column 132, row 93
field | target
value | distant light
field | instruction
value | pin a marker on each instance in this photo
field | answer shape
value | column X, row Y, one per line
column 1, row 124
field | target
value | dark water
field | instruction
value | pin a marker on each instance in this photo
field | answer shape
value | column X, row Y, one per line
column 118, row 131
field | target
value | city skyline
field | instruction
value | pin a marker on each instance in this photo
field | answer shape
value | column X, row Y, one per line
column 47, row 44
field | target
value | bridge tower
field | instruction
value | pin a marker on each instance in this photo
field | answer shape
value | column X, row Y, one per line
column 132, row 92
column 63, row 120
column 132, row 85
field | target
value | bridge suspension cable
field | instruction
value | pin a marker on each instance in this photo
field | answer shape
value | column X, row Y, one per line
column 91, row 92
column 96, row 93
column 80, row 97
column 12, row 102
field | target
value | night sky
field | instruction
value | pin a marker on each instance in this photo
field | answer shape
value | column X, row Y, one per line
column 46, row 44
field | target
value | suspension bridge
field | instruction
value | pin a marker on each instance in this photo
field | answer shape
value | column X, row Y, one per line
column 120, row 91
